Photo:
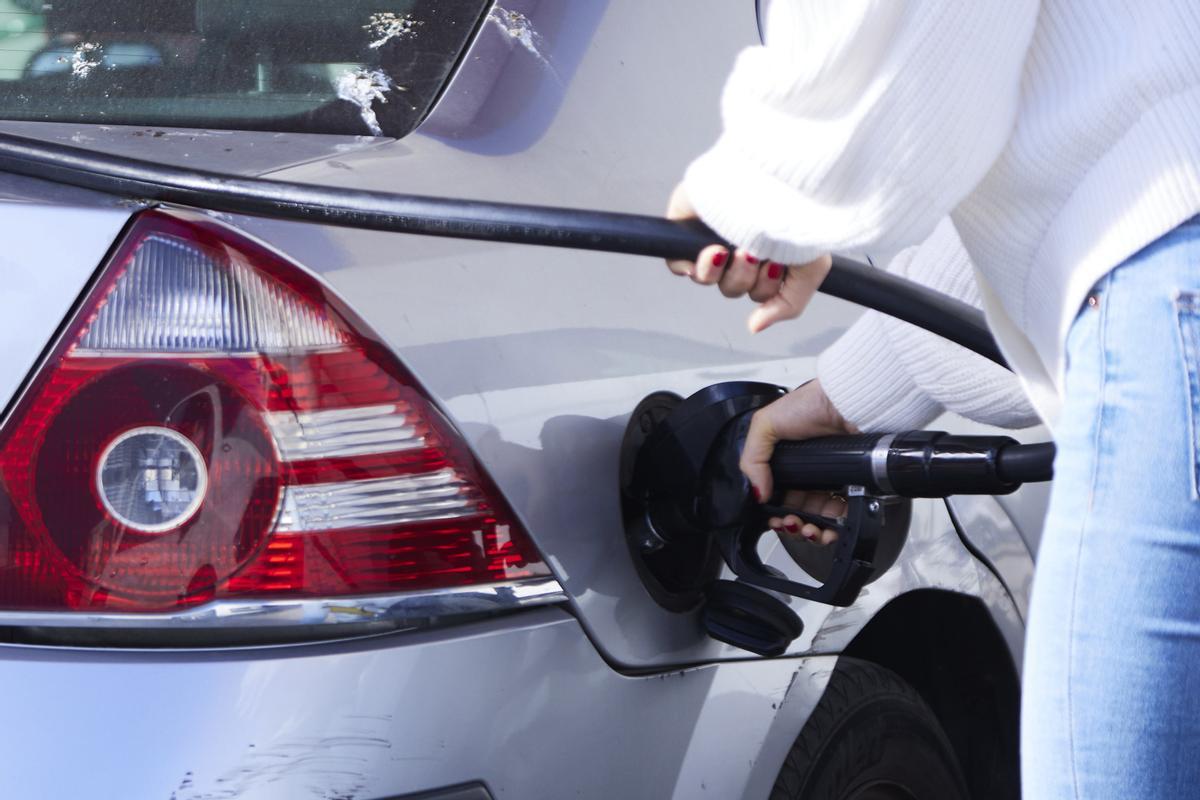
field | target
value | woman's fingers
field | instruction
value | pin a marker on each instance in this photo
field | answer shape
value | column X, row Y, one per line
column 791, row 525
column 827, row 506
column 681, row 267
column 767, row 283
column 714, row 262
column 679, row 207
column 781, row 292
column 755, row 462
column 817, row 503
column 741, row 275
column 711, row 264
column 797, row 289
column 794, row 526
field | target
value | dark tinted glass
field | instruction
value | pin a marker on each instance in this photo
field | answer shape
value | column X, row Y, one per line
column 322, row 66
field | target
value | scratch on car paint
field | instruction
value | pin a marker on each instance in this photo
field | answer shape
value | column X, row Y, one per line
column 363, row 87
column 376, row 717
column 386, row 26
column 827, row 631
column 85, row 58
column 518, row 28
column 791, row 684
column 325, row 767
column 355, row 741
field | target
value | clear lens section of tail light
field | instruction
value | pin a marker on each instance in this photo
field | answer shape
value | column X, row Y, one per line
column 215, row 424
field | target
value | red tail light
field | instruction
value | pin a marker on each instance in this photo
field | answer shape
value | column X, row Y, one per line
column 214, row 424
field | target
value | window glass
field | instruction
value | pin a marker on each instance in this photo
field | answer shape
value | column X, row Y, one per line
column 346, row 66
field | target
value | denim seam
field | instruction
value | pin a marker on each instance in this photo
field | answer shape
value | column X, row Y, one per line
column 1186, row 303
column 1101, row 346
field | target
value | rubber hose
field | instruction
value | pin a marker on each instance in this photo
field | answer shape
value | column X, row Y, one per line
column 468, row 219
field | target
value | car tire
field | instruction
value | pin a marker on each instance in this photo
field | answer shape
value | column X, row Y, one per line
column 871, row 737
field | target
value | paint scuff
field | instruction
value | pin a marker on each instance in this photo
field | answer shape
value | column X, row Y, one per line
column 336, row 767
column 386, row 26
column 86, row 57
column 363, row 87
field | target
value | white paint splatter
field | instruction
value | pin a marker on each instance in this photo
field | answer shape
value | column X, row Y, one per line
column 359, row 143
column 518, row 28
column 386, row 26
column 85, row 58
column 363, row 87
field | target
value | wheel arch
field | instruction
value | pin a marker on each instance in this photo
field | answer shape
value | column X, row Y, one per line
column 948, row 647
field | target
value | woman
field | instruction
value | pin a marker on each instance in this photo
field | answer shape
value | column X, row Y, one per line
column 1062, row 138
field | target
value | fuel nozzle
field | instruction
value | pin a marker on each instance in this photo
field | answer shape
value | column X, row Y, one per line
column 912, row 464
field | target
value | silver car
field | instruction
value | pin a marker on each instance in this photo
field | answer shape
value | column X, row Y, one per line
column 296, row 510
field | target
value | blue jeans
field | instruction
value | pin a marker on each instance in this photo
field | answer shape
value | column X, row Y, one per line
column 1111, row 703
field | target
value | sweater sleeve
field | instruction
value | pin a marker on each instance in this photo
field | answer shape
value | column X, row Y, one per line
column 888, row 375
column 860, row 123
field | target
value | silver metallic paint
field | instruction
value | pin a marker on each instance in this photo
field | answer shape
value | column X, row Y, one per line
column 53, row 237
column 991, row 533
column 523, row 704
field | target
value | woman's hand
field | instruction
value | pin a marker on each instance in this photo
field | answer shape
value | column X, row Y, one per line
column 802, row 414
column 782, row 293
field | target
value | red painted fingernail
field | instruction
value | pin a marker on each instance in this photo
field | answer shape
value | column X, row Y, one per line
column 791, row 526
column 757, row 496
column 774, row 270
column 751, row 259
column 719, row 258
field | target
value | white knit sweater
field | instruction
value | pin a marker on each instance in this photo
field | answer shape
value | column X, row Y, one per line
column 1060, row 136
column 884, row 374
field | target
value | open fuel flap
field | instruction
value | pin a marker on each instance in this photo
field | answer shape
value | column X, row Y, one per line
column 688, row 508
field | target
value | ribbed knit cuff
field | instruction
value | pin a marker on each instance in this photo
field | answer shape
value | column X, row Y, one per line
column 745, row 205
column 868, row 384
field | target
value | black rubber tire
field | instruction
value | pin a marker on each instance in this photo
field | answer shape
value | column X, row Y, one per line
column 870, row 737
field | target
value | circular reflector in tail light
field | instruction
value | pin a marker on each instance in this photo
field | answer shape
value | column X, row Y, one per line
column 151, row 479
column 172, row 476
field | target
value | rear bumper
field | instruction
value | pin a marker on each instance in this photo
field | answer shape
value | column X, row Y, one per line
column 522, row 705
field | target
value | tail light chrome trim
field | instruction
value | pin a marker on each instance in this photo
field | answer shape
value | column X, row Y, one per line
column 413, row 609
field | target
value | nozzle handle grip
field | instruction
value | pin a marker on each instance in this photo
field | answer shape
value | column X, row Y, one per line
column 828, row 463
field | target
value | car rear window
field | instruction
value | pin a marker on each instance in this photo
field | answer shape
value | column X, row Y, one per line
column 333, row 66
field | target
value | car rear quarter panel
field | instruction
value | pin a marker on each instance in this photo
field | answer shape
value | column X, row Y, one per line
column 53, row 238
column 540, row 354
column 525, row 705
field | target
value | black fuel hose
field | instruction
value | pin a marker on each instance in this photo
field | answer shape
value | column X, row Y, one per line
column 467, row 219
column 1003, row 467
